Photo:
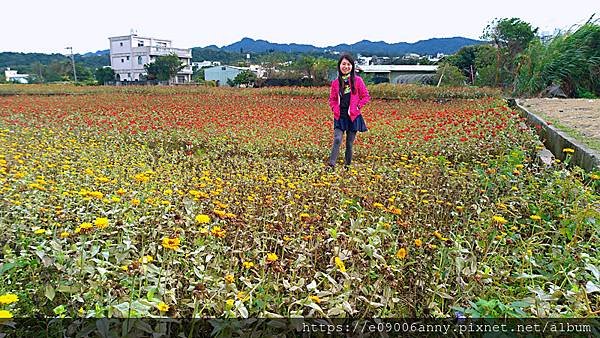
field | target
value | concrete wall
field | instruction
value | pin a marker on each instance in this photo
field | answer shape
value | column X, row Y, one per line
column 556, row 140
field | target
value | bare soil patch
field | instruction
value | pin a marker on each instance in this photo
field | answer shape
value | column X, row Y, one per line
column 579, row 118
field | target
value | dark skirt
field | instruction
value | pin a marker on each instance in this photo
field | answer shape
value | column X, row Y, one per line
column 345, row 124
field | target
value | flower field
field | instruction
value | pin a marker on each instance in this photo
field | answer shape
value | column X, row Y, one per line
column 211, row 202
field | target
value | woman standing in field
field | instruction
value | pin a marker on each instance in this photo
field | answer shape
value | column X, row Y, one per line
column 347, row 96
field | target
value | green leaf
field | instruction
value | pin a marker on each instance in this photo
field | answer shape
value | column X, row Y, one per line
column 50, row 292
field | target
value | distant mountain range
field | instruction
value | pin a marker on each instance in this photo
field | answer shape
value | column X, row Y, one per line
column 423, row 47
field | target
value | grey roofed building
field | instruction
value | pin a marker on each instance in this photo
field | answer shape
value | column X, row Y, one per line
column 400, row 73
column 221, row 74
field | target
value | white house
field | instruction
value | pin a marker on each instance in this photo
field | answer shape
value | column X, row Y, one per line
column 129, row 54
column 13, row 76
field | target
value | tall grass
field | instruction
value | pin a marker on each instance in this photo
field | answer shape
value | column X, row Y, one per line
column 571, row 60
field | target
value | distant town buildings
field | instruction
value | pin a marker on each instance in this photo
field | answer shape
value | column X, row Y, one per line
column 205, row 64
column 129, row 54
column 13, row 76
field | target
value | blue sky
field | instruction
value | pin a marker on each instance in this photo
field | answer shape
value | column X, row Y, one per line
column 50, row 26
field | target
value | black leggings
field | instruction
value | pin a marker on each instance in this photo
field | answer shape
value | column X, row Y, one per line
column 337, row 141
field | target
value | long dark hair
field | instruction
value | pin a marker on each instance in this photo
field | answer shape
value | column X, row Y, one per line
column 348, row 57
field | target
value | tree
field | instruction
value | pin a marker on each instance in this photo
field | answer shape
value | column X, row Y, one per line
column 245, row 77
column 511, row 36
column 164, row 67
column 305, row 64
column 37, row 70
column 198, row 75
column 104, row 74
column 449, row 75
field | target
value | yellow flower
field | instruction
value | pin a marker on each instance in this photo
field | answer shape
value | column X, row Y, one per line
column 378, row 205
column 418, row 242
column 135, row 202
column 4, row 314
column 460, row 208
column 315, row 299
column 102, row 179
column 121, row 192
column 595, row 177
column 271, row 257
column 241, row 295
column 535, row 217
column 171, row 243
column 64, row 234
column 86, row 225
column 96, row 194
column 202, row 219
column 217, row 232
column 499, row 219
column 219, row 213
column 162, row 307
column 229, row 279
column 229, row 304
column 568, row 150
column 248, row 265
column 142, row 178
column 101, row 222
column 304, row 216
column 9, row 298
column 439, row 236
column 146, row 259
column 39, row 231
column 340, row 264
column 401, row 254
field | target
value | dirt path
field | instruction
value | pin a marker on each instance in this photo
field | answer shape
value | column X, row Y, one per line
column 579, row 118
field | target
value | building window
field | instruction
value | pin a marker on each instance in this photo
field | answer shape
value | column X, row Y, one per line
column 129, row 75
column 128, row 58
column 121, row 44
column 223, row 68
column 140, row 60
column 140, row 43
column 122, row 60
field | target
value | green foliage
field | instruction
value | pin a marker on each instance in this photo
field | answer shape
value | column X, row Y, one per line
column 571, row 59
column 510, row 36
column 513, row 34
column 164, row 67
column 105, row 74
column 450, row 75
column 246, row 77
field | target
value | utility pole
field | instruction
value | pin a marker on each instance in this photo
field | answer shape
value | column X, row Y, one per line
column 73, row 63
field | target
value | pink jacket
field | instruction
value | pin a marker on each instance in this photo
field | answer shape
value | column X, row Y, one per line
column 357, row 101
